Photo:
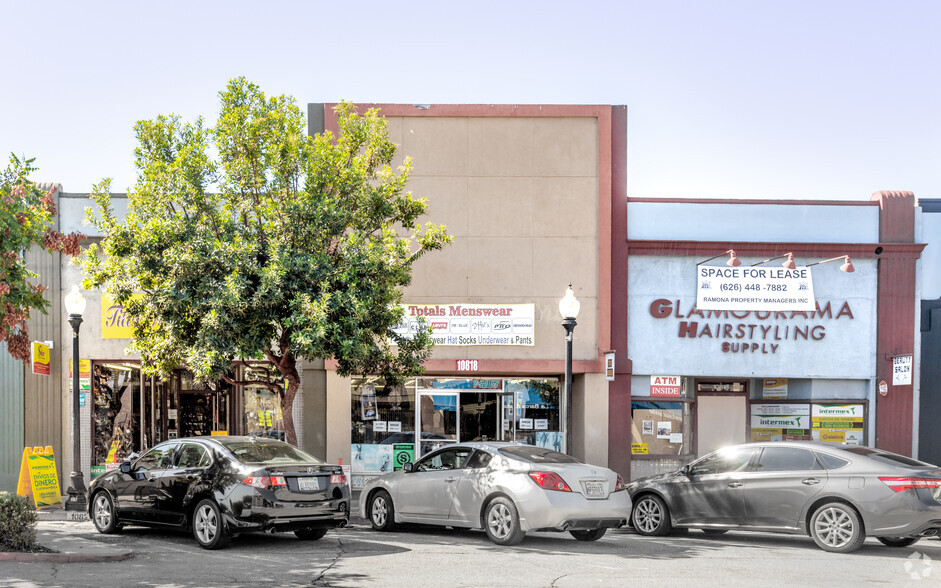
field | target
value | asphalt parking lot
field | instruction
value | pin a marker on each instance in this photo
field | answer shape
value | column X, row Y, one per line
column 435, row 556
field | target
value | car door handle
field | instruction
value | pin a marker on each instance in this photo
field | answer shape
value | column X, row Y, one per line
column 152, row 478
column 191, row 477
column 810, row 481
column 449, row 480
column 736, row 484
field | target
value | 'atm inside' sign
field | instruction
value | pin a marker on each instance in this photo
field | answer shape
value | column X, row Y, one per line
column 666, row 386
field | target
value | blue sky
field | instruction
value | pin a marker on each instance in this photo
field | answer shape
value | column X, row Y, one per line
column 736, row 99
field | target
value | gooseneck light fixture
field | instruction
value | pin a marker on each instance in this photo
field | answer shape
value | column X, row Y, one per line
column 75, row 306
column 733, row 261
column 568, row 308
column 788, row 263
column 846, row 267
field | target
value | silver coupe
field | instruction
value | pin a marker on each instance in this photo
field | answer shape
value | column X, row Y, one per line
column 506, row 489
column 838, row 494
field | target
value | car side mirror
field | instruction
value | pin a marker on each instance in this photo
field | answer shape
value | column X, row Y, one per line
column 125, row 467
column 408, row 466
column 685, row 470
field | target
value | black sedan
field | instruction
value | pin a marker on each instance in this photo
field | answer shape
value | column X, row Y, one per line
column 222, row 486
column 837, row 494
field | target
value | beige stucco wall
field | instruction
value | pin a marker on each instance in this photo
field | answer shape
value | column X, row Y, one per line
column 520, row 197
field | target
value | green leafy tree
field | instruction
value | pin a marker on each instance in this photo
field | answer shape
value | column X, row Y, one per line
column 25, row 214
column 250, row 240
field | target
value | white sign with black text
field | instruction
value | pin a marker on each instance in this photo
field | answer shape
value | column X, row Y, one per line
column 754, row 288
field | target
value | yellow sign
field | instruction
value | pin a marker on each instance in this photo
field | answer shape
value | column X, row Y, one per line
column 40, row 358
column 115, row 323
column 112, row 453
column 219, row 433
column 833, row 436
column 38, row 477
column 638, row 449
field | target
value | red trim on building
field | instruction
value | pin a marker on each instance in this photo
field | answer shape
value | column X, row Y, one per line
column 812, row 251
column 619, row 391
column 895, row 313
column 504, row 367
column 753, row 201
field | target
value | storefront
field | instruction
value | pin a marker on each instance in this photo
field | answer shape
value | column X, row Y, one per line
column 129, row 413
column 445, row 411
column 767, row 322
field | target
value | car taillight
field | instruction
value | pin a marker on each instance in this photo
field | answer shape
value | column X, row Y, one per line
column 902, row 483
column 620, row 484
column 338, row 479
column 264, row 481
column 550, row 481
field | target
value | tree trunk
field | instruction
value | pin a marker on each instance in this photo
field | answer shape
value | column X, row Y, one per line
column 287, row 405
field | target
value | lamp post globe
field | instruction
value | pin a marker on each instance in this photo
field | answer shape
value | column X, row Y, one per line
column 568, row 308
column 75, row 307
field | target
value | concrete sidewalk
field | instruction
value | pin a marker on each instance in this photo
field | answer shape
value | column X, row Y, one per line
column 71, row 536
column 68, row 534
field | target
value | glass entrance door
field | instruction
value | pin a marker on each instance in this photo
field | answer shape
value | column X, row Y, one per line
column 437, row 419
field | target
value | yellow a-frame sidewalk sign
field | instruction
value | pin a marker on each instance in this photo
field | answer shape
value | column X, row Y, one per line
column 38, row 477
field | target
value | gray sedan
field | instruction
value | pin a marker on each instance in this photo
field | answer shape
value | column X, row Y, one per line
column 838, row 494
column 505, row 488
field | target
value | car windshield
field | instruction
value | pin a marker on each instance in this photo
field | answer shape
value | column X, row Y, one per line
column 267, row 452
column 888, row 457
column 537, row 454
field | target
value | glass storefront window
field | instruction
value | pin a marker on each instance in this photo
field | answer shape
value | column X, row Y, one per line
column 660, row 428
column 531, row 412
column 115, row 417
column 383, row 427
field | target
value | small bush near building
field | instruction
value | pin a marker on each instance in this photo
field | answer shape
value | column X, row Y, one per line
column 17, row 523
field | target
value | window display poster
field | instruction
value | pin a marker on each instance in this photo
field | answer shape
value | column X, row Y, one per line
column 526, row 423
column 676, row 437
column 379, row 426
column 371, row 459
column 652, row 423
column 780, row 422
column 639, row 449
column 368, row 402
column 549, row 440
column 402, row 453
column 394, row 426
column 774, row 389
column 838, row 423
column 541, row 424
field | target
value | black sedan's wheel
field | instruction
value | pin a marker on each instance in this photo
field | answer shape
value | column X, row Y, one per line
column 590, row 535
column 502, row 522
column 310, row 534
column 898, row 541
column 651, row 516
column 103, row 513
column 208, row 528
column 381, row 511
column 836, row 527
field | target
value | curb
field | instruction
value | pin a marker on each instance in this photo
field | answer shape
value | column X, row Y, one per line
column 62, row 557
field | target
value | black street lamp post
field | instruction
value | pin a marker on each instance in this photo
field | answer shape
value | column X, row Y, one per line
column 568, row 308
column 75, row 306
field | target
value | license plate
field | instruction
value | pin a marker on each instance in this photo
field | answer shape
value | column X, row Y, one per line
column 594, row 488
column 308, row 484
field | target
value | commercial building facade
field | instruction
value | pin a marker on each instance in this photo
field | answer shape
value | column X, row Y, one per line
column 535, row 197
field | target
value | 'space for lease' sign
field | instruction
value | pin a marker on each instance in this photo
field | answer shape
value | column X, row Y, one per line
column 754, row 288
